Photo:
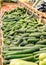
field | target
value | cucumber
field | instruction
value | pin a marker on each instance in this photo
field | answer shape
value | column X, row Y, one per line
column 18, row 48
column 23, row 43
column 27, row 31
column 36, row 34
column 43, row 48
column 31, row 50
column 17, row 56
column 30, row 58
column 42, row 42
column 44, row 33
column 20, row 31
column 31, row 31
column 38, row 25
column 26, row 38
column 38, row 52
column 25, row 35
column 32, row 40
column 29, row 45
column 19, row 41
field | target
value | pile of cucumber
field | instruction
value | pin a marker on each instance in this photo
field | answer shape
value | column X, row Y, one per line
column 21, row 29
column 24, row 38
column 24, row 53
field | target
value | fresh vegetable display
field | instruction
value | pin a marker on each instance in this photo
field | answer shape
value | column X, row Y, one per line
column 21, row 29
column 24, row 53
column 24, row 38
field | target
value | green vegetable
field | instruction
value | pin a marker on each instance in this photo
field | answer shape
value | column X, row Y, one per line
column 42, row 56
column 42, row 42
column 23, row 38
column 35, row 34
column 31, row 50
column 17, row 56
column 21, row 62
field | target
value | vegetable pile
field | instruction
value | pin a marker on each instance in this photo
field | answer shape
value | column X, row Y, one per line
column 26, row 53
column 24, row 37
column 20, row 29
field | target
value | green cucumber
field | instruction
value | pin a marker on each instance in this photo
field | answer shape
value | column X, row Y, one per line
column 19, row 41
column 42, row 42
column 23, row 43
column 30, row 58
column 43, row 33
column 31, row 31
column 31, row 50
column 25, row 35
column 17, row 56
column 38, row 52
column 20, row 31
column 35, row 34
column 32, row 40
column 18, row 48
